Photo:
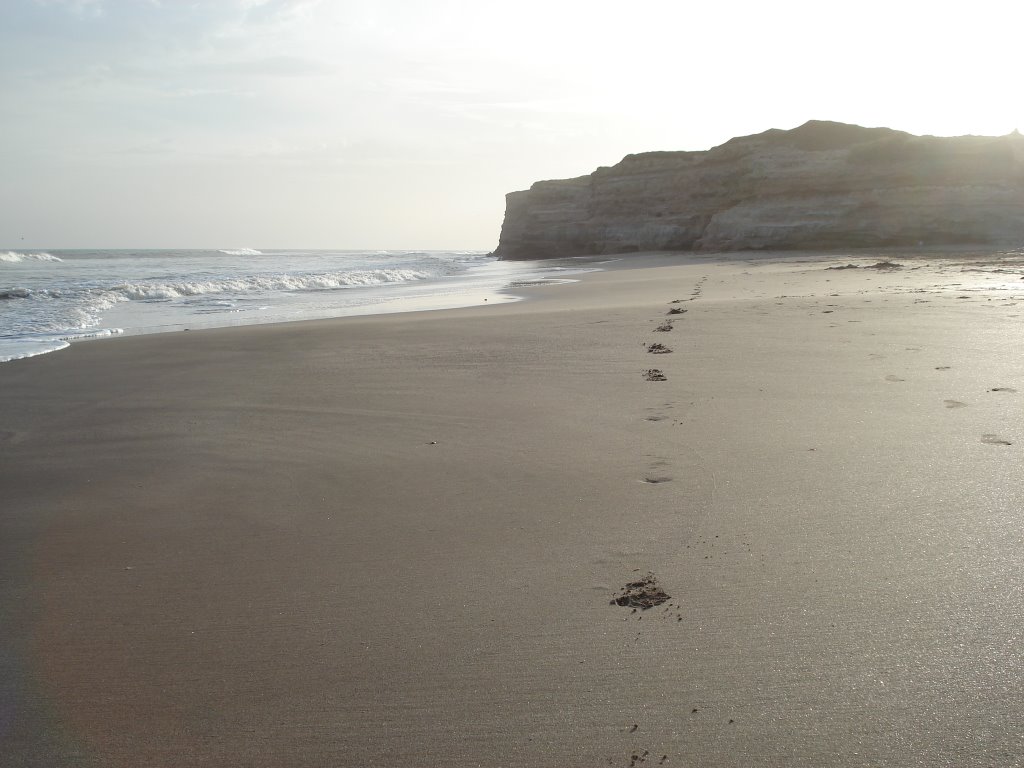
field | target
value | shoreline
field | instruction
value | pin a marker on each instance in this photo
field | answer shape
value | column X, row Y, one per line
column 613, row 263
column 393, row 539
column 125, row 293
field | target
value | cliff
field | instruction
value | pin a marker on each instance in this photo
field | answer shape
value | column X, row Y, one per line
column 823, row 185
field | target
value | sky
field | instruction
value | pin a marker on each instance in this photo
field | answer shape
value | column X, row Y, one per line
column 401, row 125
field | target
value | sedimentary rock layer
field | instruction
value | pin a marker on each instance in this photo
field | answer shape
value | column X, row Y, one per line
column 822, row 185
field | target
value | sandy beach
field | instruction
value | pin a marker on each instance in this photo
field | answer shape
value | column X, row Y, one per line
column 398, row 540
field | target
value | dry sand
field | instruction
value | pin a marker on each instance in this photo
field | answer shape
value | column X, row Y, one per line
column 398, row 540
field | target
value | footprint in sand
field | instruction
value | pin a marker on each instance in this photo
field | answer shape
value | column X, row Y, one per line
column 943, row 367
column 891, row 377
column 676, row 311
column 954, row 404
column 657, row 480
column 654, row 374
column 655, row 418
column 664, row 327
column 1002, row 389
column 658, row 349
column 994, row 440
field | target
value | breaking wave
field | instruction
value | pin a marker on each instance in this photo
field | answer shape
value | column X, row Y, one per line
column 280, row 282
column 241, row 252
column 13, row 257
column 156, row 291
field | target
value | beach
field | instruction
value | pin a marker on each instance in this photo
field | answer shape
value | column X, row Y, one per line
column 398, row 540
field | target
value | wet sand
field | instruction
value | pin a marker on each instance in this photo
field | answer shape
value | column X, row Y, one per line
column 404, row 540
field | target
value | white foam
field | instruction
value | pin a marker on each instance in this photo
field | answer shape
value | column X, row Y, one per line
column 241, row 252
column 96, row 333
column 18, row 349
column 104, row 298
column 152, row 291
column 13, row 257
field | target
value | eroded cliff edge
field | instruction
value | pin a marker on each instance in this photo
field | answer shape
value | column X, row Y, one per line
column 823, row 185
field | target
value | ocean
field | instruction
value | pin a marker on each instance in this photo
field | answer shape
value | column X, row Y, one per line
column 49, row 299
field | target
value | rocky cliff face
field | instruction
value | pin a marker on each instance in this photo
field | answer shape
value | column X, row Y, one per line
column 822, row 185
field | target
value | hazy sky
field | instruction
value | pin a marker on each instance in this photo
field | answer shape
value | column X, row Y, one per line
column 402, row 124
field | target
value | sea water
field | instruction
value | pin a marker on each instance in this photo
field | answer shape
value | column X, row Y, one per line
column 51, row 298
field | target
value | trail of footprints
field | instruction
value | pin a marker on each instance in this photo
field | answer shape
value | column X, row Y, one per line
column 645, row 594
column 657, row 475
column 657, row 374
column 988, row 438
column 675, row 311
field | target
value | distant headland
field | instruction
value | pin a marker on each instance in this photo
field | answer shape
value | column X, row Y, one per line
column 823, row 185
